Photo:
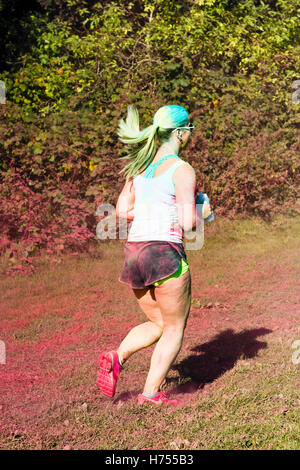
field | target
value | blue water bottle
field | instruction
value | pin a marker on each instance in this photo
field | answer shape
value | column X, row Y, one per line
column 200, row 199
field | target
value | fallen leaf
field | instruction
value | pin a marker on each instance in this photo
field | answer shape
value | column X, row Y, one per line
column 179, row 444
column 84, row 406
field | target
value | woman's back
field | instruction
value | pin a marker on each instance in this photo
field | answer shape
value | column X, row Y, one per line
column 155, row 208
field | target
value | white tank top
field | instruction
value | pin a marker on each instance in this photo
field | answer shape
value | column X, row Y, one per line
column 155, row 208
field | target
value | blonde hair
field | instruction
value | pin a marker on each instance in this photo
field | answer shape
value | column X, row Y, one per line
column 143, row 142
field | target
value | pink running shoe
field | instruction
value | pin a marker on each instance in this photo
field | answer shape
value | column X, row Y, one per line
column 109, row 373
column 159, row 399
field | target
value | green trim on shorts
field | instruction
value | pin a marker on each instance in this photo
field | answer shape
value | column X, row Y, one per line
column 183, row 268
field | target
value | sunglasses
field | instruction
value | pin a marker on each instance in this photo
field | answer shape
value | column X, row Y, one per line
column 189, row 127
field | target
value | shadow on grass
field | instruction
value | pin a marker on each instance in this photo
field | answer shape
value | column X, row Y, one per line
column 216, row 357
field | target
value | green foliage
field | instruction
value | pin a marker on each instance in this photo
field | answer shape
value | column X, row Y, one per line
column 15, row 23
column 231, row 63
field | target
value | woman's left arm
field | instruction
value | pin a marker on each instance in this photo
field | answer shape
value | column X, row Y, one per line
column 126, row 200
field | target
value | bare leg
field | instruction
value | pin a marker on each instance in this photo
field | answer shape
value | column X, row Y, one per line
column 174, row 299
column 147, row 333
column 139, row 337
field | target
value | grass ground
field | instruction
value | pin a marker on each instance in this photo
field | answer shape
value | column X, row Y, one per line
column 235, row 377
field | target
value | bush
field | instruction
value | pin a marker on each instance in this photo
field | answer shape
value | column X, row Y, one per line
column 232, row 64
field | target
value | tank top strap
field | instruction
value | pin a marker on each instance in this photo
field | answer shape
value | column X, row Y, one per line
column 152, row 167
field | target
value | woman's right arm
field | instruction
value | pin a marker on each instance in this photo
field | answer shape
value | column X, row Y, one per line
column 185, row 187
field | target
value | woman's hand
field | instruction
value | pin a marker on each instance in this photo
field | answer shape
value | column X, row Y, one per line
column 207, row 213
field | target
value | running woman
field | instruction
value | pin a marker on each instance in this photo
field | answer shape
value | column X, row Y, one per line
column 159, row 198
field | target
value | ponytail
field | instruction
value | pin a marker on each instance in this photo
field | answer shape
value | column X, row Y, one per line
column 144, row 141
column 130, row 134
